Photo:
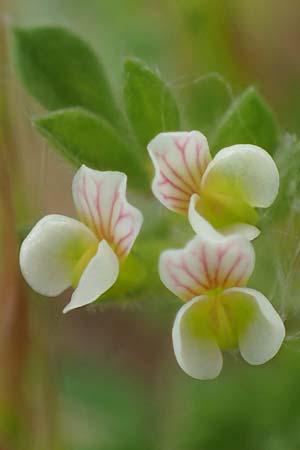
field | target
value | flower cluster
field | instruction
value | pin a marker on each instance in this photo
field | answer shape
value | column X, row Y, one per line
column 219, row 196
column 60, row 252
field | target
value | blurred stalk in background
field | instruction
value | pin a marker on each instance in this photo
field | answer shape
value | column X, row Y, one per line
column 108, row 380
column 14, row 304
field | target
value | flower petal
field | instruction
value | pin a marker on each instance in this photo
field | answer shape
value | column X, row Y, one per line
column 246, row 172
column 199, row 224
column 100, row 274
column 50, row 252
column 180, row 159
column 100, row 199
column 261, row 332
column 250, row 232
column 195, row 346
column 210, row 218
column 207, row 264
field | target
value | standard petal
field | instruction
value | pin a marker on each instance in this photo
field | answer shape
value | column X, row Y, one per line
column 179, row 159
column 195, row 346
column 99, row 275
column 100, row 199
column 260, row 329
column 245, row 172
column 50, row 252
column 207, row 264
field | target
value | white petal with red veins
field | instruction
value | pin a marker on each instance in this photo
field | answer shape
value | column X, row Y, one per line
column 245, row 170
column 179, row 159
column 197, row 353
column 262, row 334
column 204, row 265
column 51, row 251
column 100, row 199
column 100, row 274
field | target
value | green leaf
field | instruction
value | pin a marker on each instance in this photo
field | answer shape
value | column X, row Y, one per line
column 287, row 158
column 249, row 120
column 204, row 100
column 84, row 138
column 149, row 103
column 60, row 70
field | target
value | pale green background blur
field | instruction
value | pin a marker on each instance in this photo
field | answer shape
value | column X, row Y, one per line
column 108, row 380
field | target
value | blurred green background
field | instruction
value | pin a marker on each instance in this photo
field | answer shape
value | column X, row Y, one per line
column 107, row 379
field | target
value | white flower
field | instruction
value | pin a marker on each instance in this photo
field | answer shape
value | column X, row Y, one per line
column 219, row 313
column 221, row 193
column 61, row 252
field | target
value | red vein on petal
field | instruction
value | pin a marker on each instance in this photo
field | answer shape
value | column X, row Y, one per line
column 175, row 173
column 242, row 275
column 115, row 198
column 198, row 158
column 203, row 259
column 182, row 150
column 83, row 192
column 173, row 202
column 232, row 268
column 166, row 180
column 193, row 276
column 122, row 215
column 101, row 232
column 122, row 239
column 172, row 197
column 179, row 284
column 220, row 255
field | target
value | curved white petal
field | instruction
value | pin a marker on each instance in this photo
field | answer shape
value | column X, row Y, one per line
column 243, row 170
column 207, row 264
column 262, row 332
column 199, row 224
column 50, row 252
column 100, row 199
column 195, row 347
column 100, row 274
column 250, row 232
column 179, row 159
column 202, row 226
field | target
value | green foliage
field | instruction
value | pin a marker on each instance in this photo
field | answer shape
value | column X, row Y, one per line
column 204, row 101
column 149, row 103
column 106, row 407
column 287, row 158
column 60, row 70
column 112, row 408
column 237, row 411
column 249, row 120
column 83, row 137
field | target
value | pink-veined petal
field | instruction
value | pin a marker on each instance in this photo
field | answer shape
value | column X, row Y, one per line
column 207, row 264
column 100, row 200
column 195, row 346
column 99, row 275
column 179, row 159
